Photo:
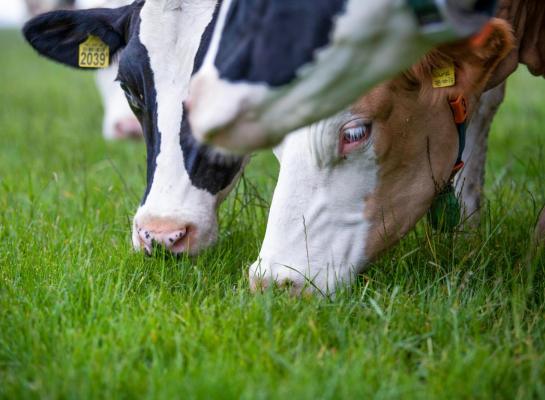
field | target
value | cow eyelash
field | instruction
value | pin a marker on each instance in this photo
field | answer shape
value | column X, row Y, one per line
column 355, row 131
column 353, row 134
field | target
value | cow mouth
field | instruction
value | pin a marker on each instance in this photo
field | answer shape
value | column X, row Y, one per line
column 157, row 243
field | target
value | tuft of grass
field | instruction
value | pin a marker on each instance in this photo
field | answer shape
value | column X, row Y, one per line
column 82, row 316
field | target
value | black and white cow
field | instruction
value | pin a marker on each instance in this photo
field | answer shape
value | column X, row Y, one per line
column 39, row 6
column 118, row 121
column 159, row 44
column 278, row 65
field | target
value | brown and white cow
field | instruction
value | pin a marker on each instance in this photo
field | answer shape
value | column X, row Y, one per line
column 353, row 185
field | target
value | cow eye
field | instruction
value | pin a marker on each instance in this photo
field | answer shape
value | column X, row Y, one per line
column 353, row 134
column 134, row 101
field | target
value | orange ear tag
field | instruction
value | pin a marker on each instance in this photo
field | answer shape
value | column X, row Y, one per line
column 459, row 109
column 479, row 40
column 444, row 77
column 94, row 53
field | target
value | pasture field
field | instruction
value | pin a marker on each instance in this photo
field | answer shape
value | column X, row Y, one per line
column 82, row 316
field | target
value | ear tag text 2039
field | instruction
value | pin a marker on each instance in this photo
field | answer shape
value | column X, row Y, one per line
column 94, row 53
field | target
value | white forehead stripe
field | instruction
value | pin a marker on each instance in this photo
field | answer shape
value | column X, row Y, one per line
column 218, row 32
column 172, row 39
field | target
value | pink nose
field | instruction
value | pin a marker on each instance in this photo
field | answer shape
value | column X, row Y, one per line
column 175, row 242
column 128, row 128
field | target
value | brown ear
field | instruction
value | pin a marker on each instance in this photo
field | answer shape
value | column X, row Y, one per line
column 477, row 59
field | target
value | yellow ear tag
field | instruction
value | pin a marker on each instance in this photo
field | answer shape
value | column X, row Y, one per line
column 444, row 77
column 94, row 53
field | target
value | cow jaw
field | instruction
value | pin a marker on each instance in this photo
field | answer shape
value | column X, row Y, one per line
column 316, row 228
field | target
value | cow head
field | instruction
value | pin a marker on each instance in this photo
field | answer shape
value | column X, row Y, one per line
column 159, row 43
column 276, row 66
column 353, row 185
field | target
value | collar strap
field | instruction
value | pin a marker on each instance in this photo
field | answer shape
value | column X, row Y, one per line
column 459, row 112
column 426, row 11
column 447, row 20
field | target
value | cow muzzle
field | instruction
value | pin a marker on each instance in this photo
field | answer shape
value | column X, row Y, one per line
column 175, row 242
column 173, row 235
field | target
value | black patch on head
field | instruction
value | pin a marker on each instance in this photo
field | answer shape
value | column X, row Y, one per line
column 267, row 41
column 58, row 34
column 205, row 172
column 137, row 80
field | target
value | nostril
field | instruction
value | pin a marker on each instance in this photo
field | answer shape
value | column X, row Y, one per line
column 175, row 242
column 146, row 240
column 265, row 276
column 179, row 246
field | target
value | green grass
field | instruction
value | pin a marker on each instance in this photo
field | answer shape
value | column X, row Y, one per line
column 82, row 316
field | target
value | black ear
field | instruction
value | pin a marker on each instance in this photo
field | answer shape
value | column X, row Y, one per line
column 58, row 34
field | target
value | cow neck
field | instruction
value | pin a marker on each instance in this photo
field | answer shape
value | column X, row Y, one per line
column 445, row 212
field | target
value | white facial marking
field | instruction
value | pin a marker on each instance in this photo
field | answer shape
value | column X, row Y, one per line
column 172, row 39
column 317, row 228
